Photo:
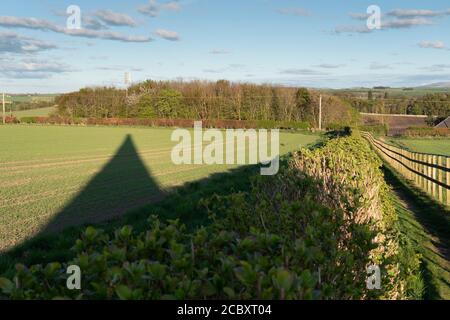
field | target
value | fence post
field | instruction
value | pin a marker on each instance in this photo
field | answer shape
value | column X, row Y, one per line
column 434, row 170
column 396, row 159
column 424, row 172
column 416, row 169
column 427, row 174
column 447, row 181
column 440, row 190
column 403, row 163
column 410, row 166
column 430, row 174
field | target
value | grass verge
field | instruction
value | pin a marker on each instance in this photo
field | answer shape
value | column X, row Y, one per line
column 427, row 224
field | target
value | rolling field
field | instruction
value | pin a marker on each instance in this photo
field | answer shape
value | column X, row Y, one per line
column 53, row 177
column 434, row 146
column 41, row 112
column 33, row 98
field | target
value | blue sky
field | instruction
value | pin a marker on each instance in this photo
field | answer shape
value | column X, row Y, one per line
column 319, row 43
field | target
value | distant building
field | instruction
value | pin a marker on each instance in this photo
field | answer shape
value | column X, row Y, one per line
column 444, row 124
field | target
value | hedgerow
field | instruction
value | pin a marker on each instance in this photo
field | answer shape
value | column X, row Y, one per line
column 377, row 129
column 350, row 180
column 28, row 120
column 11, row 120
column 427, row 132
column 183, row 123
column 308, row 233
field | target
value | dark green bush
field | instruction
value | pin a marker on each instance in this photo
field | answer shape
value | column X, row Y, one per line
column 28, row 120
column 290, row 125
column 379, row 129
column 266, row 124
column 337, row 126
column 295, row 125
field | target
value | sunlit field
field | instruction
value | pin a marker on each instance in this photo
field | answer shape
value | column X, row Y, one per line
column 52, row 177
column 40, row 112
column 429, row 145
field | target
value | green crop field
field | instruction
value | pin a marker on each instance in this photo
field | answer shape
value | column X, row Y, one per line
column 52, row 177
column 435, row 146
column 41, row 112
column 33, row 98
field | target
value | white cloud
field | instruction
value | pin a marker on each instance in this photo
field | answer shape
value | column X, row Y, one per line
column 88, row 22
column 168, row 35
column 385, row 25
column 219, row 51
column 106, row 35
column 352, row 29
column 432, row 44
column 405, row 23
column 120, row 68
column 294, row 11
column 115, row 19
column 154, row 8
column 92, row 23
column 330, row 66
column 29, row 23
column 214, row 70
column 437, row 68
column 44, row 25
column 399, row 19
column 302, row 72
column 14, row 43
column 414, row 13
column 32, row 69
column 359, row 16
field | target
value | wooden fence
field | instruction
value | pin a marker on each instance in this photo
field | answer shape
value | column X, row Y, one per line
column 430, row 172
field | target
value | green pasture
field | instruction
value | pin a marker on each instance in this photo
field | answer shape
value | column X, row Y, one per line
column 52, row 177
column 33, row 98
column 41, row 112
column 439, row 146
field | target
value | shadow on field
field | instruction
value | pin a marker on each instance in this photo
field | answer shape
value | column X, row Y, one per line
column 182, row 202
column 124, row 183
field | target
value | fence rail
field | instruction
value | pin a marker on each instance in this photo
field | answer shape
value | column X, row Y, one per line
column 429, row 172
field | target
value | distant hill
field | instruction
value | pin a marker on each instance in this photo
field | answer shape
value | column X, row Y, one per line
column 437, row 85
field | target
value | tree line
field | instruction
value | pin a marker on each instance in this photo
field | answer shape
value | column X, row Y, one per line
column 432, row 104
column 205, row 100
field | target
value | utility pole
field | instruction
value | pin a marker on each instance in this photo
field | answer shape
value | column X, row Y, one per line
column 320, row 113
column 4, row 111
